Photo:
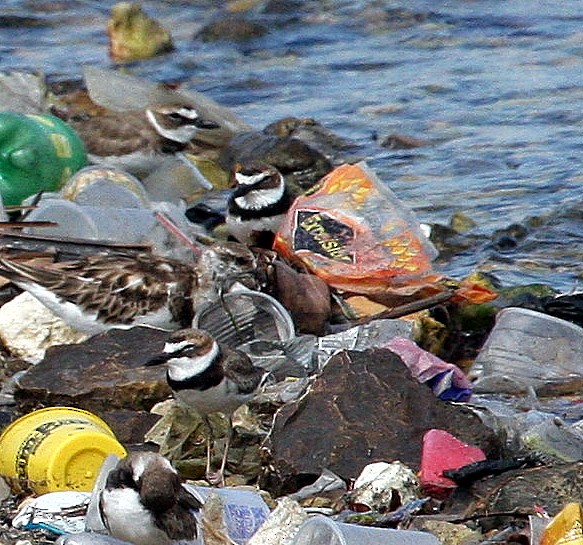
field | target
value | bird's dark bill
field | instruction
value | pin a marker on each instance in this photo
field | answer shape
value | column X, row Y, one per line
column 158, row 360
column 207, row 124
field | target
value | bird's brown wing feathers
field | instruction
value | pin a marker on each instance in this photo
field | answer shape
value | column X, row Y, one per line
column 238, row 367
column 177, row 523
column 116, row 134
column 118, row 288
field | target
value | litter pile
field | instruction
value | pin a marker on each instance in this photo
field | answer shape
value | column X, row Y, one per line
column 328, row 406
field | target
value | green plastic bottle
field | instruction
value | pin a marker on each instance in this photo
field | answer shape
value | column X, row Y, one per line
column 37, row 153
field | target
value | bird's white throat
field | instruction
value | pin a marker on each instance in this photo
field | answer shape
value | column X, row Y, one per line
column 260, row 198
column 184, row 368
column 183, row 134
column 243, row 179
column 141, row 463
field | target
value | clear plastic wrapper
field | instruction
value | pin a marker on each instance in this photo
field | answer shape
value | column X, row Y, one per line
column 353, row 232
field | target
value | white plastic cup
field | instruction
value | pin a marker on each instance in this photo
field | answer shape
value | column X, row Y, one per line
column 528, row 348
column 109, row 194
column 72, row 220
column 322, row 530
column 244, row 511
column 104, row 186
column 123, row 225
column 244, row 316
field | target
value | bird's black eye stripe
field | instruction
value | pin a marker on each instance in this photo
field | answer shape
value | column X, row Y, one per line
column 183, row 350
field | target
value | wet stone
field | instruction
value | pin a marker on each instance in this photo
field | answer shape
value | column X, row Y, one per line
column 21, row 21
column 102, row 374
column 402, row 141
column 129, row 426
column 520, row 490
column 301, row 165
column 233, row 29
column 315, row 135
column 364, row 408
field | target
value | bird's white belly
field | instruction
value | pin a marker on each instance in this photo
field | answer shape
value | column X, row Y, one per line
column 128, row 520
column 220, row 399
column 162, row 319
column 243, row 230
column 87, row 322
column 70, row 313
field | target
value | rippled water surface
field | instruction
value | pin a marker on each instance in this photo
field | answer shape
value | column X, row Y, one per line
column 495, row 87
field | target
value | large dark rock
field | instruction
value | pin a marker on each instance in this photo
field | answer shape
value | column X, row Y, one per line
column 301, row 165
column 129, row 426
column 314, row 134
column 104, row 373
column 365, row 407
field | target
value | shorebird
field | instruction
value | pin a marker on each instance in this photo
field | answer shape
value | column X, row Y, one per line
column 143, row 502
column 138, row 140
column 100, row 292
column 209, row 378
column 258, row 203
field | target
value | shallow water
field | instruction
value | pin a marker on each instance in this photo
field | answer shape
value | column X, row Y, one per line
column 495, row 87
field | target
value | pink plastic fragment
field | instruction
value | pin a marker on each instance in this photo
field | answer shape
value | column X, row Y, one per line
column 442, row 451
column 447, row 381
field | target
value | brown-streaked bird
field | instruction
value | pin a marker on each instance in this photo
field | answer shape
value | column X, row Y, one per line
column 100, row 292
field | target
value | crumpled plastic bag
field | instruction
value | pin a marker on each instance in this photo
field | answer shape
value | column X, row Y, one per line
column 383, row 486
column 57, row 512
column 353, row 232
column 447, row 381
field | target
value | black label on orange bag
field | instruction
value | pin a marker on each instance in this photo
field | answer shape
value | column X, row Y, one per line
column 320, row 233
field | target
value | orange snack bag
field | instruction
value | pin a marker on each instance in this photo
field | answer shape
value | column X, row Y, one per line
column 353, row 232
